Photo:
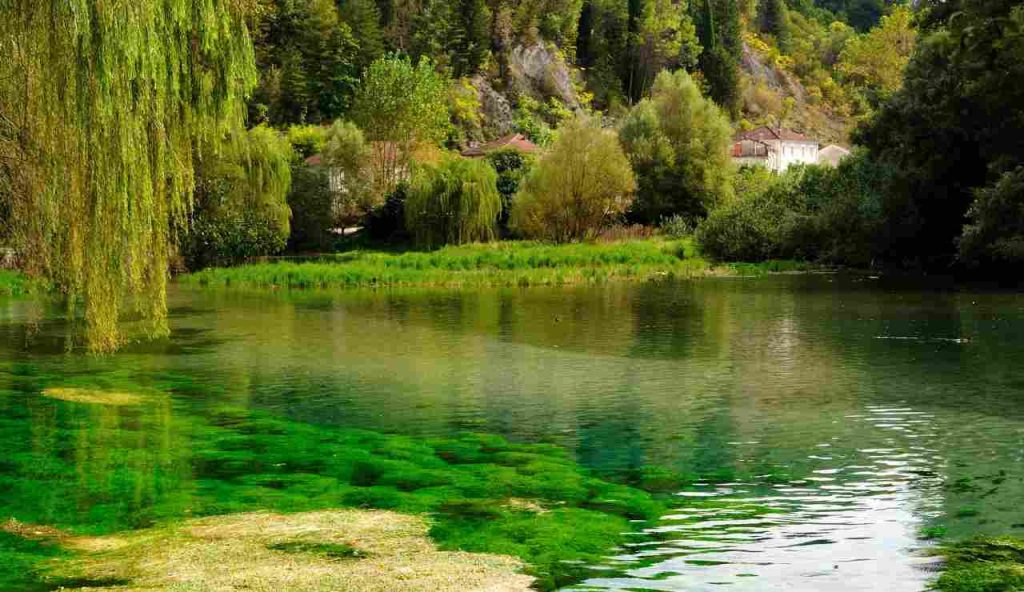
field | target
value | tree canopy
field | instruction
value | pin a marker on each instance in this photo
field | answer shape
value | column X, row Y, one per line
column 678, row 142
column 583, row 183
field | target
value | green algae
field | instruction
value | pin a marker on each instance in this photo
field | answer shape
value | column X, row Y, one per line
column 983, row 565
column 104, row 469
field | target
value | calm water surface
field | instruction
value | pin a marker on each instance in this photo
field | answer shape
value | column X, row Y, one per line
column 822, row 421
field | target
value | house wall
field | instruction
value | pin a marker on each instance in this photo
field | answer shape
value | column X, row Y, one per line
column 790, row 153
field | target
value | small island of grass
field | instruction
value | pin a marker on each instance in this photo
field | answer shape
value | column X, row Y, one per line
column 507, row 263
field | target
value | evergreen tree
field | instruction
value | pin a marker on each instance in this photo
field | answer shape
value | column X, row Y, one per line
column 469, row 37
column 775, row 21
column 719, row 60
column 363, row 18
column 306, row 57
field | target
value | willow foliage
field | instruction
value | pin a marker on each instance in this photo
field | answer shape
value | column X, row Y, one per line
column 103, row 104
column 453, row 203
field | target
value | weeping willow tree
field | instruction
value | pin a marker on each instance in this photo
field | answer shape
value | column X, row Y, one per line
column 456, row 202
column 241, row 200
column 103, row 105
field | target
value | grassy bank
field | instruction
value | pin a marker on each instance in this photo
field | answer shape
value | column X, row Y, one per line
column 983, row 565
column 509, row 263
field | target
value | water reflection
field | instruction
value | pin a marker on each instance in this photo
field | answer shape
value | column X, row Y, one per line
column 817, row 423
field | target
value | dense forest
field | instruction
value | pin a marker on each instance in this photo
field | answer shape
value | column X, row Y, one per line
column 264, row 126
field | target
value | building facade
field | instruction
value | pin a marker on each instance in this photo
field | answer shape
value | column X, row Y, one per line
column 774, row 148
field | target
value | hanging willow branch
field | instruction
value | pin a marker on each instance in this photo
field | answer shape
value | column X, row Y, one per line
column 110, row 99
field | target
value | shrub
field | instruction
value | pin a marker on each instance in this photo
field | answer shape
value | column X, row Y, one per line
column 581, row 185
column 995, row 234
column 750, row 227
column 307, row 140
column 675, row 226
column 312, row 205
column 387, row 222
column 453, row 203
column 811, row 213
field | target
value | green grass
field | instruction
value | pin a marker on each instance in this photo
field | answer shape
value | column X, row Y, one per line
column 983, row 565
column 508, row 263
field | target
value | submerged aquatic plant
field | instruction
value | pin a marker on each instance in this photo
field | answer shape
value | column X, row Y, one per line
column 983, row 565
column 144, row 467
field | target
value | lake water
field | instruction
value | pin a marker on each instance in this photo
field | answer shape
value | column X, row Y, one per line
column 822, row 422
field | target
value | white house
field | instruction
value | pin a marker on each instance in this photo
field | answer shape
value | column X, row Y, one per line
column 775, row 148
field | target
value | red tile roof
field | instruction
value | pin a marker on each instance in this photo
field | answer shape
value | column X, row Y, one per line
column 513, row 141
column 765, row 133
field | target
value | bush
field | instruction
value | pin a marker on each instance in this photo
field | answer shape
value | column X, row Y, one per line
column 584, row 183
column 313, row 210
column 675, row 226
column 810, row 213
column 240, row 202
column 453, row 203
column 387, row 222
column 995, row 234
column 750, row 227
column 307, row 140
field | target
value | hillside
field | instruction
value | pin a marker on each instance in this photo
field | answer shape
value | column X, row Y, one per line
column 525, row 66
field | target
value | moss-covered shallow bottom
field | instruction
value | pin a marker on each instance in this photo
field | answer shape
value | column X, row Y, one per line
column 365, row 550
column 481, row 493
column 983, row 565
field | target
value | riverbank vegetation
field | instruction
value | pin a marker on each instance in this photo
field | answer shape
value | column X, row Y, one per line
column 13, row 283
column 507, row 263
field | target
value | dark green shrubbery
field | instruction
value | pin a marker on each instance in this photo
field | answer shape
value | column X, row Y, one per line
column 813, row 213
column 387, row 222
column 995, row 234
column 313, row 210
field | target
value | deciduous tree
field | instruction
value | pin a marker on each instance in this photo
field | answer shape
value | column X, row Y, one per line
column 582, row 184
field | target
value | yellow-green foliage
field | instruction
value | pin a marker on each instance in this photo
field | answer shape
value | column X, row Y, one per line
column 678, row 142
column 102, row 103
column 582, row 184
column 453, row 203
column 875, row 61
column 241, row 199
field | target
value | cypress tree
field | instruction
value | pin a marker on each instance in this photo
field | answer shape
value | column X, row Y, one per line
column 470, row 37
column 775, row 21
column 719, row 61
